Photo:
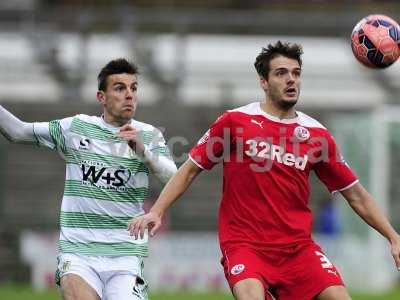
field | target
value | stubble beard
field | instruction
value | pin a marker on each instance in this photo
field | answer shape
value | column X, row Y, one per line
column 126, row 118
column 285, row 104
column 120, row 117
column 276, row 97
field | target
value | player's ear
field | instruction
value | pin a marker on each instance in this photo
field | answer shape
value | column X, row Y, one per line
column 263, row 83
column 101, row 97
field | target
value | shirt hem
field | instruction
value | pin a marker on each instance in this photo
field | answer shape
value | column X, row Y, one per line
column 346, row 187
column 196, row 163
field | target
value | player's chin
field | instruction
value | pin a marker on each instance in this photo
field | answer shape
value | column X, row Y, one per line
column 288, row 102
column 127, row 113
column 290, row 96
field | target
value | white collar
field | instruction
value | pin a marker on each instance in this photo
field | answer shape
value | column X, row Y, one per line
column 276, row 119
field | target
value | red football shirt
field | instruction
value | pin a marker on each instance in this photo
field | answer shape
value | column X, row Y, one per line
column 267, row 162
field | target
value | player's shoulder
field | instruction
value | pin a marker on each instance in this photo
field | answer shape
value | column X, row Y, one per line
column 309, row 122
column 87, row 118
column 96, row 120
column 314, row 126
column 143, row 126
column 83, row 120
column 248, row 109
column 67, row 122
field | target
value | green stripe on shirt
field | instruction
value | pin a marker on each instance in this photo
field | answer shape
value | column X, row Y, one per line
column 57, row 135
column 96, row 132
column 73, row 156
column 91, row 220
column 76, row 188
column 104, row 249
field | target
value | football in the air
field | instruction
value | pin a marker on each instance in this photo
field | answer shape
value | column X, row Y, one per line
column 375, row 41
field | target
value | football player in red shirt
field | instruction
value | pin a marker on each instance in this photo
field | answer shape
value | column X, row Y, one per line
column 268, row 150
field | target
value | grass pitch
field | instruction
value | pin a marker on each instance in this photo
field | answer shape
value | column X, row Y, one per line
column 23, row 292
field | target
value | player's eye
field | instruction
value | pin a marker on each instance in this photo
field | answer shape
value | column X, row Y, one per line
column 296, row 73
column 280, row 72
column 119, row 88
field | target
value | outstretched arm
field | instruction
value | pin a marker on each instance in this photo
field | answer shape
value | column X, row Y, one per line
column 175, row 187
column 365, row 206
column 13, row 129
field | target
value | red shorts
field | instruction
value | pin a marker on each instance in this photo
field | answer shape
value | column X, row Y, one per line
column 298, row 272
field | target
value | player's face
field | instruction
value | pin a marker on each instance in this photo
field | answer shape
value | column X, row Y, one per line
column 120, row 98
column 283, row 82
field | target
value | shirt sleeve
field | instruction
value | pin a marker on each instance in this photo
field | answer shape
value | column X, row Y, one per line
column 52, row 134
column 158, row 157
column 157, row 145
column 210, row 148
column 333, row 170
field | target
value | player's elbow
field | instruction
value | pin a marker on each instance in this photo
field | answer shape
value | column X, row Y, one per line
column 12, row 138
column 21, row 133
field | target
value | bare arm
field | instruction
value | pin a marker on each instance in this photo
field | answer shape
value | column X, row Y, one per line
column 365, row 206
column 13, row 129
column 175, row 187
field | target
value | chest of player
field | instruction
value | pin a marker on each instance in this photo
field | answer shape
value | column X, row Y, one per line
column 105, row 163
column 287, row 144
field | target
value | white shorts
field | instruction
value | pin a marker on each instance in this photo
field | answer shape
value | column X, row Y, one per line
column 113, row 278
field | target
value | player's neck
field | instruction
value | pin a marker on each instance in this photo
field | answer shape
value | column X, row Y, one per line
column 270, row 108
column 111, row 120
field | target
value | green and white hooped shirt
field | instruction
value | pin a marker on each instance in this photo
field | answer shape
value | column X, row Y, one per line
column 105, row 185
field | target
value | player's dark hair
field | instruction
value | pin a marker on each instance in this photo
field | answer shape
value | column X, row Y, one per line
column 116, row 66
column 289, row 50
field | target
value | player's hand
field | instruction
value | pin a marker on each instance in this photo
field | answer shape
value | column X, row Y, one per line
column 137, row 226
column 395, row 248
column 132, row 137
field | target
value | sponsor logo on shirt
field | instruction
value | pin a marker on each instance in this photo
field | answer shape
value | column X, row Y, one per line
column 258, row 123
column 204, row 138
column 237, row 269
column 276, row 153
column 95, row 173
column 84, row 144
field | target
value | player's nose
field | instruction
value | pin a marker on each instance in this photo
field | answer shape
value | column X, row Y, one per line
column 129, row 95
column 290, row 78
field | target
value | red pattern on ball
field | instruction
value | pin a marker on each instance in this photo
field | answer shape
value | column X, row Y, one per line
column 372, row 43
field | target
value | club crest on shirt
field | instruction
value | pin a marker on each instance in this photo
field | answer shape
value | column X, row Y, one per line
column 237, row 269
column 301, row 133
